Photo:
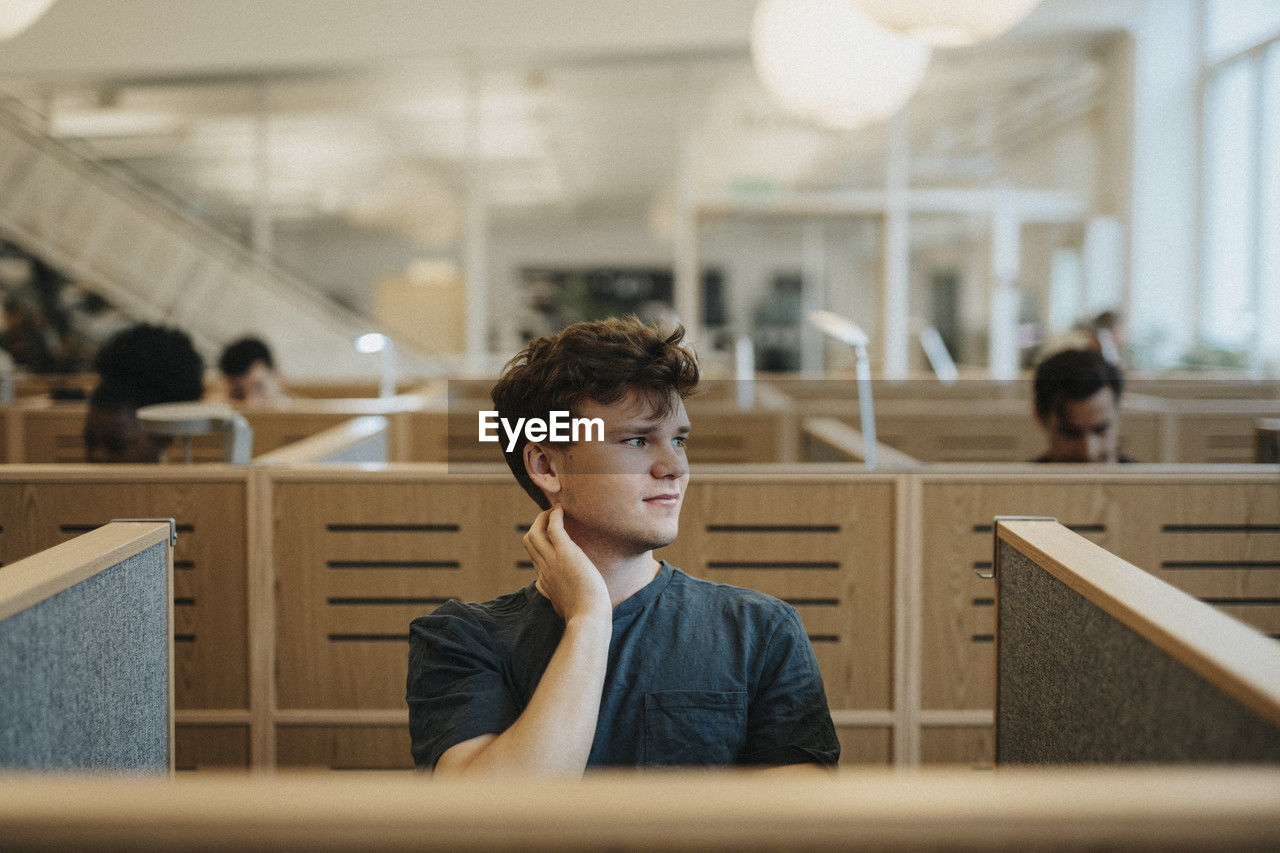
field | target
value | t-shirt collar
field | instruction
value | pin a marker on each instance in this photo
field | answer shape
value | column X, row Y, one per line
column 641, row 598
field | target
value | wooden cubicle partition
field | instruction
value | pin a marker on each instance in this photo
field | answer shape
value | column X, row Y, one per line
column 39, row 431
column 1217, row 431
column 296, row 584
column 97, row 613
column 1101, row 662
column 360, row 554
column 973, row 430
column 1211, row 532
column 44, row 505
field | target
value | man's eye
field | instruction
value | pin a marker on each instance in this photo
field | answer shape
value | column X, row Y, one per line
column 638, row 441
column 681, row 440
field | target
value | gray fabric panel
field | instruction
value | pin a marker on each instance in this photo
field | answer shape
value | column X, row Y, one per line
column 84, row 675
column 1114, row 698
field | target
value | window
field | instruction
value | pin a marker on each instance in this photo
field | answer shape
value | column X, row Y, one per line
column 1240, row 210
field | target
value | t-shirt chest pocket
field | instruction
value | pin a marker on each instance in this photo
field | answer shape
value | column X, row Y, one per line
column 694, row 727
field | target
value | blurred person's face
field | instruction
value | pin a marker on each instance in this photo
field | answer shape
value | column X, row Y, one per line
column 1084, row 430
column 113, row 434
column 258, row 384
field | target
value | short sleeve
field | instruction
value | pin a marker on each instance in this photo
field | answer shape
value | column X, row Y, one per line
column 788, row 720
column 455, row 688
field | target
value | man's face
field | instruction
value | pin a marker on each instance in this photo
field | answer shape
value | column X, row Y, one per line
column 114, row 435
column 1084, row 430
column 258, row 384
column 623, row 495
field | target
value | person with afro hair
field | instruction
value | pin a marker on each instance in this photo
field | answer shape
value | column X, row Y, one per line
column 140, row 366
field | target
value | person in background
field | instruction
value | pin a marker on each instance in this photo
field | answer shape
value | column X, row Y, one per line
column 140, row 366
column 1077, row 404
column 250, row 372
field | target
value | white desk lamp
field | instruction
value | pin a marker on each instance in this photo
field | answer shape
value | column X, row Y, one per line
column 376, row 342
column 744, row 371
column 847, row 332
column 935, row 349
column 186, row 420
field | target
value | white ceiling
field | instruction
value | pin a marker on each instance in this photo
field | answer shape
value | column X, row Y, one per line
column 387, row 112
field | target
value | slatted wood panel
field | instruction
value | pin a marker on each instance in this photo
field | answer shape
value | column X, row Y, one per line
column 43, row 384
column 803, row 389
column 344, row 747
column 1206, row 388
column 359, row 555
column 825, row 546
column 357, row 561
column 994, row 431
column 722, row 433
column 39, row 509
column 1214, row 537
column 1220, row 431
column 56, row 433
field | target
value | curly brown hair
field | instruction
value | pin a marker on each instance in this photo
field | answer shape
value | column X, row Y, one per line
column 602, row 360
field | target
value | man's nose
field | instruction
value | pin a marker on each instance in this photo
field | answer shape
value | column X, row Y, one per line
column 670, row 463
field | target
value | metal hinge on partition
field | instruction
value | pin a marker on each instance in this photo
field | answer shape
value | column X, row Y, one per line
column 995, row 523
column 173, row 526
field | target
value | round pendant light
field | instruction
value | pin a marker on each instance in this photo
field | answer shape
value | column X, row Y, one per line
column 17, row 15
column 827, row 61
column 948, row 23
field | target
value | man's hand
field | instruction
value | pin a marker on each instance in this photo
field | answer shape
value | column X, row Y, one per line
column 565, row 574
column 555, row 732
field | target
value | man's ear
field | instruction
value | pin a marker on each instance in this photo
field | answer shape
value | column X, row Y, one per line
column 542, row 464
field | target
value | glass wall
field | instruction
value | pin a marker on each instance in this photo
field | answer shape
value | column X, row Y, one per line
column 1240, row 227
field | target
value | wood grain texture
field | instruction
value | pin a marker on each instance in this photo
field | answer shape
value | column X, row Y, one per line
column 1042, row 809
column 42, row 507
column 344, row 747
column 205, row 747
column 826, row 547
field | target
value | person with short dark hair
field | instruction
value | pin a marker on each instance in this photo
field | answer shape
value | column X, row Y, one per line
column 249, row 371
column 1077, row 404
column 140, row 366
column 611, row 657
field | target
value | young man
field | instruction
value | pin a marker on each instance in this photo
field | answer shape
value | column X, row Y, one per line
column 249, row 371
column 1078, row 406
column 611, row 658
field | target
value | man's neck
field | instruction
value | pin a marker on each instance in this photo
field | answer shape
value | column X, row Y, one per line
column 623, row 575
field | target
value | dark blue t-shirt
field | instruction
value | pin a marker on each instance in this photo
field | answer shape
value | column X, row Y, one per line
column 699, row 673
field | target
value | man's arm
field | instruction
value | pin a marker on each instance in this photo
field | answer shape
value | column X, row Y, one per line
column 555, row 731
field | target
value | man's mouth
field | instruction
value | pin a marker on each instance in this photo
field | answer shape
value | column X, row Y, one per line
column 669, row 499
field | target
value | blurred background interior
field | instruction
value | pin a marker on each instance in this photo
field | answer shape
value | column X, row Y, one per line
column 466, row 174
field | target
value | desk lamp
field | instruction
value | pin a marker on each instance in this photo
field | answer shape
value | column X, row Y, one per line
column 186, row 420
column 847, row 332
